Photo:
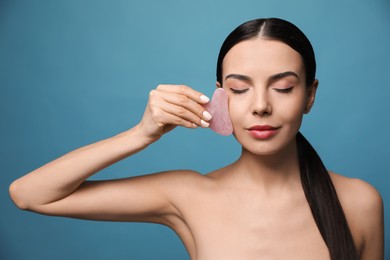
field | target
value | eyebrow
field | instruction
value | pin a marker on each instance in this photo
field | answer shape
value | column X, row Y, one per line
column 239, row 77
column 273, row 77
column 283, row 75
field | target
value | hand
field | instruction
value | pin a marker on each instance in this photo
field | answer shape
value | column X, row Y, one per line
column 173, row 105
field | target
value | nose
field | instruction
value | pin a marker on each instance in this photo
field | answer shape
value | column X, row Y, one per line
column 261, row 104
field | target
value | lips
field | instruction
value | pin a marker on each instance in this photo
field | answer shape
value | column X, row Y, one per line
column 262, row 127
column 263, row 132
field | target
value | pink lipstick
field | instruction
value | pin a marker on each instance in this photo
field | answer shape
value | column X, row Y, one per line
column 263, row 132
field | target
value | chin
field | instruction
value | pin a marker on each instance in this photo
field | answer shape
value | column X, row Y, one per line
column 263, row 150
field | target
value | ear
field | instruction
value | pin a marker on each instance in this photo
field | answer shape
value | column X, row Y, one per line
column 218, row 84
column 311, row 95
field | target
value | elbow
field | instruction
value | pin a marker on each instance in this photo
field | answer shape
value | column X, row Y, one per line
column 15, row 192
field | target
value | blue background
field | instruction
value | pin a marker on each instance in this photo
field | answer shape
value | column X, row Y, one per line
column 75, row 72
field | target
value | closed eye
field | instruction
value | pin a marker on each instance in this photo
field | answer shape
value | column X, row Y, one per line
column 284, row 90
column 238, row 91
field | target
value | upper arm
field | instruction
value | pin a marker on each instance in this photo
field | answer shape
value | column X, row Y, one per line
column 147, row 198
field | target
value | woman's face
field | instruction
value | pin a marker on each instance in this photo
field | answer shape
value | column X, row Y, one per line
column 265, row 82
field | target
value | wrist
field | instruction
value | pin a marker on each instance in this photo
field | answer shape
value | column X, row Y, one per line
column 136, row 136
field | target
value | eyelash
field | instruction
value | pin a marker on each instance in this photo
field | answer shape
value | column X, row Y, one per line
column 279, row 90
column 238, row 91
column 283, row 90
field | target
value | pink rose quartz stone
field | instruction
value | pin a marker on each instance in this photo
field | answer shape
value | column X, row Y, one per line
column 218, row 108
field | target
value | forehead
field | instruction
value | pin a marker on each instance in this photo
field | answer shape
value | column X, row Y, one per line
column 262, row 57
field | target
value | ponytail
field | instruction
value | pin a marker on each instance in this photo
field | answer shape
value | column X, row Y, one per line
column 324, row 203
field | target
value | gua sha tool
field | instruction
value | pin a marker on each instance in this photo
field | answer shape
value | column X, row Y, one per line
column 218, row 108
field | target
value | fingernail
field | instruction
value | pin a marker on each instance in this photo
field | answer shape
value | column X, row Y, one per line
column 204, row 98
column 207, row 115
column 194, row 125
column 204, row 123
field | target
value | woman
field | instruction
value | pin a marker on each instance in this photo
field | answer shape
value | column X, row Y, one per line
column 277, row 201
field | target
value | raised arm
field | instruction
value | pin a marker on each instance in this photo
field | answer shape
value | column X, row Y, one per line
column 60, row 187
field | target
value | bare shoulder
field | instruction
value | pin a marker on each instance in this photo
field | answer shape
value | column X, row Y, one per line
column 363, row 207
column 180, row 176
column 356, row 194
column 181, row 181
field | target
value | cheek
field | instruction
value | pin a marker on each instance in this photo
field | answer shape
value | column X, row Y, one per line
column 292, row 111
column 236, row 110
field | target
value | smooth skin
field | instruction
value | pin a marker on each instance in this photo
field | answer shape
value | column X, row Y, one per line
column 254, row 208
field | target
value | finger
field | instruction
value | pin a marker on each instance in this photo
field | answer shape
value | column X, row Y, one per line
column 163, row 112
column 180, row 121
column 187, row 91
column 185, row 114
column 169, row 119
column 181, row 101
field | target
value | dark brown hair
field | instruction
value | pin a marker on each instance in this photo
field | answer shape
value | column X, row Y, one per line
column 316, row 182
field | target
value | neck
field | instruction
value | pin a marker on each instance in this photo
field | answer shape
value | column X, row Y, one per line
column 270, row 171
